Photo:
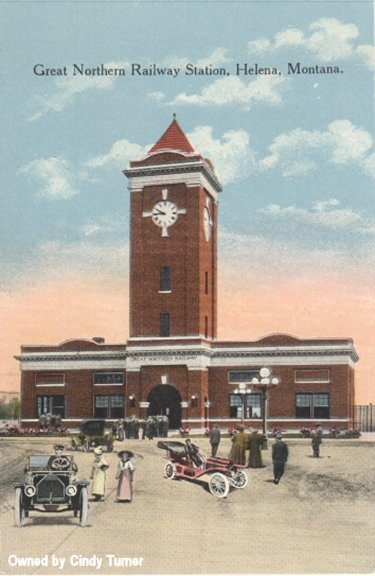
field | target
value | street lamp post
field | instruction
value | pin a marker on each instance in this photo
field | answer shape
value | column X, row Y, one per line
column 264, row 383
column 207, row 405
column 242, row 391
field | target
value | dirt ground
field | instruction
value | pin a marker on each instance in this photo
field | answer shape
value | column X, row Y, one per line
column 319, row 519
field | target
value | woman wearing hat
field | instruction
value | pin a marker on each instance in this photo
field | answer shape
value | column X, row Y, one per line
column 125, row 475
column 98, row 474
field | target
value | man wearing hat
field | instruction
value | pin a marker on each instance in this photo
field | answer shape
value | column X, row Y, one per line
column 125, row 475
column 98, row 474
column 279, row 458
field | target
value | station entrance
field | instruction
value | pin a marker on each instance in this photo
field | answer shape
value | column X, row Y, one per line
column 165, row 400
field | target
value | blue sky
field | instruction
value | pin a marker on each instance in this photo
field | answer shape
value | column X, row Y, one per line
column 295, row 153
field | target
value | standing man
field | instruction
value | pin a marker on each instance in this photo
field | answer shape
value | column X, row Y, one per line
column 317, row 440
column 279, row 458
column 214, row 439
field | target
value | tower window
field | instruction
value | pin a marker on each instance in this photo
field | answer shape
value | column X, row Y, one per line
column 164, row 324
column 206, row 326
column 206, row 282
column 165, row 279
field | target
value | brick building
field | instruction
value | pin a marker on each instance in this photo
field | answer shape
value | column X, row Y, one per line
column 173, row 362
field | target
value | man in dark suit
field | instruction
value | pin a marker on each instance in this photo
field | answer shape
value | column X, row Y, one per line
column 317, row 440
column 214, row 439
column 279, row 458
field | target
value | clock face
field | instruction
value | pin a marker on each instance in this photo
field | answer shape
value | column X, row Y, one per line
column 164, row 213
column 207, row 223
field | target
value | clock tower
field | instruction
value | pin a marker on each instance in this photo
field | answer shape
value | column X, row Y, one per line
column 173, row 241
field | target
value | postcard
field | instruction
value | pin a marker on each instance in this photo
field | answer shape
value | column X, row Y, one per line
column 187, row 287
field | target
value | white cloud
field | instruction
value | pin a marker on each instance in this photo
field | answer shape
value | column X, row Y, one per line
column 157, row 96
column 348, row 142
column 327, row 213
column 231, row 155
column 367, row 54
column 327, row 39
column 59, row 259
column 290, row 37
column 331, row 39
column 67, row 87
column 297, row 152
column 218, row 57
column 56, row 176
column 232, row 90
column 369, row 165
column 260, row 258
column 120, row 154
column 107, row 224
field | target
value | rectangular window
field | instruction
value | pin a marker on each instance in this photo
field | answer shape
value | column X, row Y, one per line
column 109, row 407
column 238, row 376
column 50, row 380
column 109, row 378
column 206, row 326
column 165, row 279
column 206, row 282
column 51, row 405
column 311, row 376
column 253, row 405
column 312, row 406
column 165, row 324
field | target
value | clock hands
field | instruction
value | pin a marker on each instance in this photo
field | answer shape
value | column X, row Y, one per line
column 157, row 211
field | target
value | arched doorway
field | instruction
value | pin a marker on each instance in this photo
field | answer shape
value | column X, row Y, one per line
column 165, row 400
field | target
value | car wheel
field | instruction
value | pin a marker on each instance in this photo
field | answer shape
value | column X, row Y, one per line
column 219, row 485
column 239, row 479
column 83, row 507
column 170, row 470
column 19, row 512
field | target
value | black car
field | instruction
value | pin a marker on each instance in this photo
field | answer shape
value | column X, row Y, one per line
column 92, row 434
column 50, row 485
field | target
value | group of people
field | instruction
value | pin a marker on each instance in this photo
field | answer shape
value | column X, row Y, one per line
column 243, row 441
column 135, row 428
column 124, row 475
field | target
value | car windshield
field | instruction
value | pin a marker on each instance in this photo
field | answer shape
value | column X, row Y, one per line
column 44, row 460
column 39, row 460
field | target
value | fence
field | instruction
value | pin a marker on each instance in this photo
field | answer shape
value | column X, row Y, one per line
column 364, row 417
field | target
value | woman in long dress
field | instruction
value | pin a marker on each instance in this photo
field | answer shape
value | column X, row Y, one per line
column 98, row 474
column 125, row 475
column 240, row 443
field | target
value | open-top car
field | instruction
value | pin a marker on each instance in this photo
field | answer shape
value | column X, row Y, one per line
column 92, row 434
column 50, row 485
column 185, row 460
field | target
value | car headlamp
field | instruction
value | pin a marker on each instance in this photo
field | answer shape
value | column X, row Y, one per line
column 71, row 490
column 29, row 490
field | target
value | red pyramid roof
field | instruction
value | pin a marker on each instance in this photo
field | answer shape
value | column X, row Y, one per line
column 173, row 139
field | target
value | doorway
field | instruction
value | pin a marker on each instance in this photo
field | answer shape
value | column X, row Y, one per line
column 165, row 401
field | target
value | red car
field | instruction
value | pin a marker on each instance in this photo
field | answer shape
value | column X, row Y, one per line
column 185, row 460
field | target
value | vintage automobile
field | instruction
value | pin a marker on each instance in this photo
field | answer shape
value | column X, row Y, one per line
column 92, row 434
column 185, row 460
column 50, row 485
